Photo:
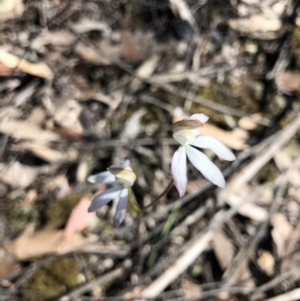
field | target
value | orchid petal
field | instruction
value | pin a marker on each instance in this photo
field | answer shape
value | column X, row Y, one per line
column 104, row 197
column 208, row 169
column 104, row 177
column 179, row 170
column 201, row 117
column 121, row 208
column 215, row 145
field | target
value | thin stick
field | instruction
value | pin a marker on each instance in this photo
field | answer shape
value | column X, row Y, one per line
column 159, row 197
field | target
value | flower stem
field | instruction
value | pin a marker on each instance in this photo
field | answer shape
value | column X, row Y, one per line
column 160, row 196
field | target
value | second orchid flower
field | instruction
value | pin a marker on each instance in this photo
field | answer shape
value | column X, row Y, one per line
column 187, row 133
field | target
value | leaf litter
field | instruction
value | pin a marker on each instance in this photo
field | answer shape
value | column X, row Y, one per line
column 87, row 84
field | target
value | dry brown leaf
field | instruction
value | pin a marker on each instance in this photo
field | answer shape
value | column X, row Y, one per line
column 24, row 130
column 288, row 81
column 37, row 69
column 223, row 249
column 281, row 231
column 18, row 175
column 135, row 47
column 256, row 23
column 46, row 241
column 79, row 219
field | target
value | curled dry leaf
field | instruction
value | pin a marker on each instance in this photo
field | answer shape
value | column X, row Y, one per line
column 15, row 62
column 79, row 219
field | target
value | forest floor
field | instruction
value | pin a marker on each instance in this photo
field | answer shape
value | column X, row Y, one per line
column 85, row 84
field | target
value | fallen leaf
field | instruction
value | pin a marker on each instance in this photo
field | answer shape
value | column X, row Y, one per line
column 79, row 219
column 46, row 241
column 288, row 81
column 37, row 69
column 24, row 130
column 235, row 198
column 220, row 243
column 136, row 46
column 256, row 23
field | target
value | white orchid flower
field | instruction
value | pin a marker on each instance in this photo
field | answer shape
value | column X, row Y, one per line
column 122, row 178
column 187, row 133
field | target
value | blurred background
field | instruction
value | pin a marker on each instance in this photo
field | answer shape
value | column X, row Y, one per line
column 87, row 84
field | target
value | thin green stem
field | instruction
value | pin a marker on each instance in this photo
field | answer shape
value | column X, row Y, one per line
column 159, row 197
